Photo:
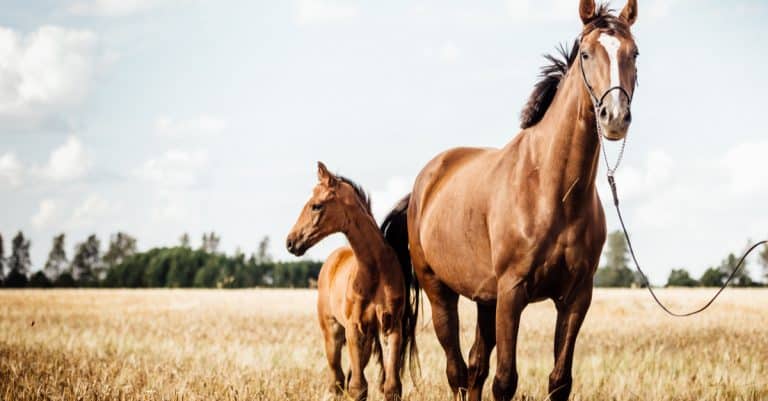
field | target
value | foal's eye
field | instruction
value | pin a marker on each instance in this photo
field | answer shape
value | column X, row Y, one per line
column 316, row 207
column 584, row 55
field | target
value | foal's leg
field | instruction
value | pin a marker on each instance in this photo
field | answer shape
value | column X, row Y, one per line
column 445, row 318
column 333, row 334
column 479, row 355
column 360, row 347
column 569, row 319
column 509, row 305
column 392, row 387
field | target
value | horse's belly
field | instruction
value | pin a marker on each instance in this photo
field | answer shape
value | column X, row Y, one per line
column 457, row 251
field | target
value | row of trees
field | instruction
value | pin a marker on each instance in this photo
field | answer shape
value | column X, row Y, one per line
column 180, row 266
column 616, row 271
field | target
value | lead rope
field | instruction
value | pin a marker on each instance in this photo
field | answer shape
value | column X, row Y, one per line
column 612, row 182
column 611, row 174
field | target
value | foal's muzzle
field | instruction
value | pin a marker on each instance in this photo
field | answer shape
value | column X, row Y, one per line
column 295, row 245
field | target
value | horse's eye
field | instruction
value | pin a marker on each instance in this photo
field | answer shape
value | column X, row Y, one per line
column 316, row 207
column 584, row 55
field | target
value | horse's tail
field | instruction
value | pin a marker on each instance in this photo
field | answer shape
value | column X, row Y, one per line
column 395, row 230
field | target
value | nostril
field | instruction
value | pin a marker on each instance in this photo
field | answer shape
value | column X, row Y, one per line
column 289, row 244
column 628, row 117
column 603, row 113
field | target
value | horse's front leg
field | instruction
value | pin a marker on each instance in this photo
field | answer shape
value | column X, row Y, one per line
column 569, row 319
column 392, row 387
column 510, row 303
column 359, row 343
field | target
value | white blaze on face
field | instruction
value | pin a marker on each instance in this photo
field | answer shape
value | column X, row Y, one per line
column 611, row 45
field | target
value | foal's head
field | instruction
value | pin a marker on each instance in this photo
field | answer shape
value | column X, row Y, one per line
column 334, row 202
column 607, row 60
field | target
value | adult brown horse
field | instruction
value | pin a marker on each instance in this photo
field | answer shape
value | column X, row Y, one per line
column 506, row 227
column 362, row 288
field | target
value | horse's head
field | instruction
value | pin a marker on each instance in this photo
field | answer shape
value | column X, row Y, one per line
column 607, row 62
column 326, row 212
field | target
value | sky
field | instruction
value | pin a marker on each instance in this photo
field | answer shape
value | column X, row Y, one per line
column 160, row 117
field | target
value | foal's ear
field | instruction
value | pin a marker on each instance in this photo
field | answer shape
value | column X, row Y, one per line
column 324, row 176
column 629, row 13
column 587, row 10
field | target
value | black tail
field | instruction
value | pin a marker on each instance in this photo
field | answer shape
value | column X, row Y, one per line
column 395, row 230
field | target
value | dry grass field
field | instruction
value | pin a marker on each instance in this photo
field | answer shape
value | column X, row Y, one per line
column 265, row 345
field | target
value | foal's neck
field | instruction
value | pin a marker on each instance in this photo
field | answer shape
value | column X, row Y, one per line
column 567, row 139
column 366, row 240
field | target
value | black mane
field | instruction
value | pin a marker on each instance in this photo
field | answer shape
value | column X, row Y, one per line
column 365, row 199
column 553, row 73
column 544, row 91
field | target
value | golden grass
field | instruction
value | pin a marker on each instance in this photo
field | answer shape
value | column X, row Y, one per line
column 265, row 345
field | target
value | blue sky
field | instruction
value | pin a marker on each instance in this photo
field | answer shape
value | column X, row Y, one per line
column 159, row 117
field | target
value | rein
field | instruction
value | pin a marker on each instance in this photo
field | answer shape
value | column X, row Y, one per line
column 611, row 175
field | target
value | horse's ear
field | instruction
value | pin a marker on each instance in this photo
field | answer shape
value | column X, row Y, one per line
column 324, row 176
column 629, row 13
column 587, row 11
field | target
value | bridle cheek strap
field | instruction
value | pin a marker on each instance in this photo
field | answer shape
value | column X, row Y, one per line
column 598, row 102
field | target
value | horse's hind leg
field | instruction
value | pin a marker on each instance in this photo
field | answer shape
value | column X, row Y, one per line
column 445, row 318
column 333, row 334
column 480, row 354
column 569, row 319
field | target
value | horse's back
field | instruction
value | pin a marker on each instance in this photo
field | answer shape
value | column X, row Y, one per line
column 332, row 282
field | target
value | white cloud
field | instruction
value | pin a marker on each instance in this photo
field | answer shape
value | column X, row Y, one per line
column 747, row 168
column 67, row 162
column 449, row 52
column 10, row 170
column 94, row 208
column 45, row 213
column 542, row 10
column 519, row 8
column 656, row 173
column 310, row 11
column 200, row 126
column 384, row 199
column 708, row 204
column 176, row 168
column 659, row 8
column 115, row 8
column 44, row 72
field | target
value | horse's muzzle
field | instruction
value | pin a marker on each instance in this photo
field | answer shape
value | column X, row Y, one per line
column 614, row 121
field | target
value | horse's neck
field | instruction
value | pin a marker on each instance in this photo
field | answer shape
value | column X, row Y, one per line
column 567, row 141
column 367, row 242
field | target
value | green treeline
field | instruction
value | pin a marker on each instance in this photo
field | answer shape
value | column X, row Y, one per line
column 176, row 267
column 181, row 266
column 184, row 267
column 617, row 271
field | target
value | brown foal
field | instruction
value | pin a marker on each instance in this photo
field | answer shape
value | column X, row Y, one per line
column 507, row 227
column 362, row 288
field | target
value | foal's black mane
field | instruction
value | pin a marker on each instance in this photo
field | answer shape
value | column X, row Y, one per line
column 553, row 73
column 365, row 199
